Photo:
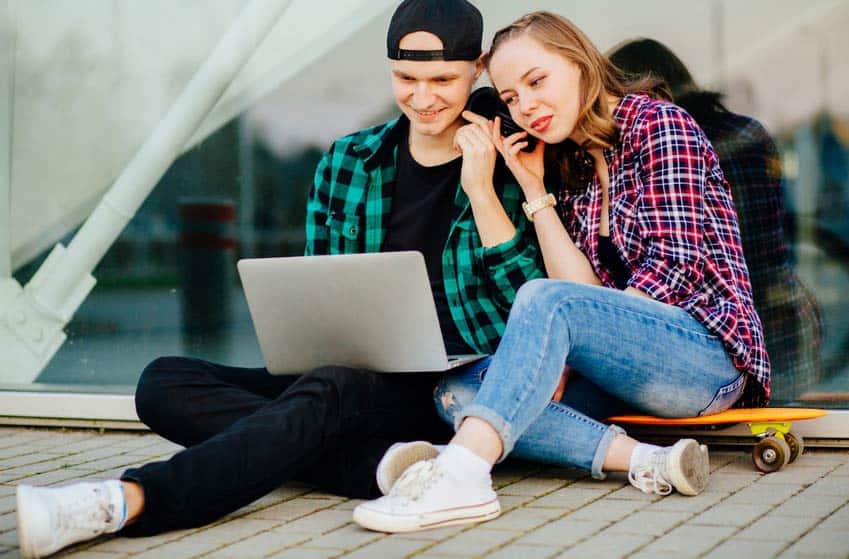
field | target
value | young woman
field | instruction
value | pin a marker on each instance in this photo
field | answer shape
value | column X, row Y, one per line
column 648, row 296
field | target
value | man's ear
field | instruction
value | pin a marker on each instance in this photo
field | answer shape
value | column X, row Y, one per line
column 479, row 65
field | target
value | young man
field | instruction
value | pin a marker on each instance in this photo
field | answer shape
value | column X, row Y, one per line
column 402, row 185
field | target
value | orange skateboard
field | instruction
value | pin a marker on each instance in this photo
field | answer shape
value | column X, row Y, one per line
column 778, row 445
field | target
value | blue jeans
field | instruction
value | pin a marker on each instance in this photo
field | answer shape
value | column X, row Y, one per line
column 633, row 354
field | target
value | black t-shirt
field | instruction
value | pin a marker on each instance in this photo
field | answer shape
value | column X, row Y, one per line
column 422, row 208
column 612, row 262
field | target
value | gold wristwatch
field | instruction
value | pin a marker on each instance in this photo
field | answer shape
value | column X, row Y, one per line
column 538, row 204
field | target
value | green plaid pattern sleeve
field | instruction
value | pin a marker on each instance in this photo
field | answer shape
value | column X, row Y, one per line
column 348, row 209
column 317, row 208
column 481, row 283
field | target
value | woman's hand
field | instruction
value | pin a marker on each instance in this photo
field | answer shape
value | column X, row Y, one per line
column 527, row 167
column 474, row 141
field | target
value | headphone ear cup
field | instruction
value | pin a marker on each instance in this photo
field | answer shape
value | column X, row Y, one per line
column 486, row 102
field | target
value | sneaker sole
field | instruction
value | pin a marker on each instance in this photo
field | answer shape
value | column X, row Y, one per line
column 692, row 476
column 22, row 494
column 380, row 522
column 398, row 459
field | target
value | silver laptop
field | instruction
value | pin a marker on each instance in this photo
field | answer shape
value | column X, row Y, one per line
column 371, row 311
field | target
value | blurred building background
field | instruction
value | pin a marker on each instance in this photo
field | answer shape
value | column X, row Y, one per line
column 85, row 81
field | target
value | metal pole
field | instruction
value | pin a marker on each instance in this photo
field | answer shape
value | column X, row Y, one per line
column 7, row 95
column 160, row 150
column 32, row 319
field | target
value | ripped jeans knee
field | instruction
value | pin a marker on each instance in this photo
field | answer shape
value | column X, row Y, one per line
column 457, row 390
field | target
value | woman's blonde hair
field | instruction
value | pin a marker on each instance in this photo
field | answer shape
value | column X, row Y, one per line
column 599, row 78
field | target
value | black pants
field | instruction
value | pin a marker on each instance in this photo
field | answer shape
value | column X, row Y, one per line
column 247, row 432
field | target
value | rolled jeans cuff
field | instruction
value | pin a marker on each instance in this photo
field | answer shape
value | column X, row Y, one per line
column 501, row 425
column 596, row 470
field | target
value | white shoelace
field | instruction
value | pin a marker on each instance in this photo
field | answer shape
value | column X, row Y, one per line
column 416, row 479
column 650, row 478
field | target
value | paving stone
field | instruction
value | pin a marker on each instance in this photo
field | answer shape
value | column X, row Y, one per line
column 689, row 540
column 831, row 486
column 776, row 528
column 259, row 545
column 7, row 503
column 510, row 502
column 532, row 487
column 730, row 482
column 347, row 537
column 568, row 498
column 796, row 474
column 660, row 554
column 9, row 539
column 137, row 545
column 820, row 543
column 304, row 553
column 436, row 535
column 562, row 532
column 472, row 543
column 50, row 478
column 763, row 494
column 731, row 515
column 391, row 546
column 838, row 521
column 810, row 505
column 604, row 546
column 611, row 483
column 610, row 510
column 522, row 519
column 230, row 532
column 823, row 457
column 633, row 494
column 178, row 549
column 654, row 523
column 292, row 509
column 514, row 551
column 8, row 521
column 86, row 554
column 681, row 503
column 319, row 522
column 734, row 547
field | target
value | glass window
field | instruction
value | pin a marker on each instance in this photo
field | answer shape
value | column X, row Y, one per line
column 87, row 86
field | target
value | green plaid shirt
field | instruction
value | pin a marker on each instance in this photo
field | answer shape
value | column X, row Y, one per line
column 348, row 211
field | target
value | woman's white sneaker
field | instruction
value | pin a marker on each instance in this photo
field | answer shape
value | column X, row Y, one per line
column 428, row 496
column 398, row 458
column 685, row 467
column 51, row 518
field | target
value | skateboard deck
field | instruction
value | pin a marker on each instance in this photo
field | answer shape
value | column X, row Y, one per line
column 777, row 446
column 739, row 415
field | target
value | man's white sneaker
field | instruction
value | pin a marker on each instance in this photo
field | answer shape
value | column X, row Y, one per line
column 684, row 466
column 398, row 458
column 51, row 518
column 427, row 496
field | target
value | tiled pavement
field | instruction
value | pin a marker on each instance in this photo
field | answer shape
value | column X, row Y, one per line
column 801, row 511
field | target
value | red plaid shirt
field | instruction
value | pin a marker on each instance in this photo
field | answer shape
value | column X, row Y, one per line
column 673, row 223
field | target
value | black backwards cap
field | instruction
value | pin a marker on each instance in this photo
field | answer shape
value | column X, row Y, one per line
column 457, row 23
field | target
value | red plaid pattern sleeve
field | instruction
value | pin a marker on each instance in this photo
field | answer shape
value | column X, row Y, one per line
column 673, row 222
column 671, row 205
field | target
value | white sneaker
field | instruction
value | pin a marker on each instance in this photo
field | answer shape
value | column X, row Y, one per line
column 398, row 458
column 427, row 496
column 50, row 518
column 684, row 466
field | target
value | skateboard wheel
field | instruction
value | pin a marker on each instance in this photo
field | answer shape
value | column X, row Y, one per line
column 770, row 454
column 796, row 444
